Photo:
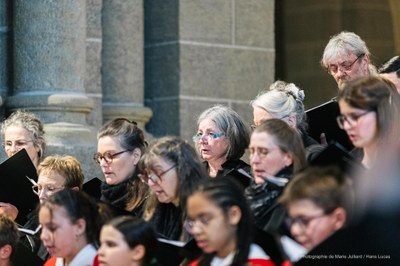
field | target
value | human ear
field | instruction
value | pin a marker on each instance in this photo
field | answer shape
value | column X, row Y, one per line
column 292, row 120
column 137, row 153
column 80, row 227
column 234, row 215
column 138, row 252
column 5, row 252
column 288, row 159
column 340, row 218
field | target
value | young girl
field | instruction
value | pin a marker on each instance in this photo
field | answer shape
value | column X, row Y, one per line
column 220, row 221
column 127, row 241
column 70, row 227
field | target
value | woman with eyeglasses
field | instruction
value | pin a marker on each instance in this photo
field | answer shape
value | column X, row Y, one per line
column 172, row 170
column 319, row 201
column 369, row 108
column 220, row 221
column 276, row 153
column 285, row 101
column 55, row 173
column 22, row 130
column 120, row 144
column 221, row 140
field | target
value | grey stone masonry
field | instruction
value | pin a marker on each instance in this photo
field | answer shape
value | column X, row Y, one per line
column 202, row 53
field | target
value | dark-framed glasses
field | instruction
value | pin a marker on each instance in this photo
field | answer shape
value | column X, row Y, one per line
column 209, row 136
column 345, row 66
column 107, row 156
column 352, row 119
column 155, row 178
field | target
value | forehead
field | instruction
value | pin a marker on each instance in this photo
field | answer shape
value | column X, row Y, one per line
column 50, row 177
column 303, row 207
column 199, row 204
column 339, row 56
column 262, row 139
column 260, row 114
column 108, row 231
column 15, row 132
column 108, row 143
column 57, row 214
column 207, row 124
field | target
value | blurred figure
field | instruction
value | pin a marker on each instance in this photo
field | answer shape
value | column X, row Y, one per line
column 172, row 169
column 346, row 56
column 276, row 153
column 221, row 140
column 120, row 145
column 22, row 130
column 369, row 107
column 220, row 221
column 70, row 228
column 127, row 241
column 284, row 101
column 318, row 203
column 8, row 241
column 391, row 70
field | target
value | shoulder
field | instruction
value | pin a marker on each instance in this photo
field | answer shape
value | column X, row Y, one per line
column 257, row 257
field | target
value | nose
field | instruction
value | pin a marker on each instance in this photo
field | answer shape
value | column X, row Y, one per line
column 100, row 250
column 42, row 195
column 295, row 229
column 44, row 235
column 255, row 158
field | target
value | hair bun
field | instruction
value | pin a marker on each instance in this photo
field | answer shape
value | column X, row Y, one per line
column 297, row 94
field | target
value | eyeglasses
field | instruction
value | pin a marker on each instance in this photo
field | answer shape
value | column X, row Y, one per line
column 352, row 119
column 107, row 156
column 201, row 222
column 18, row 144
column 48, row 190
column 302, row 221
column 345, row 66
column 209, row 137
column 155, row 178
column 262, row 152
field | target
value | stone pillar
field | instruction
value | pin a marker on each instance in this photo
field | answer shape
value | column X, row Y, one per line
column 49, row 69
column 122, row 61
column 93, row 62
column 200, row 53
column 5, row 23
column 395, row 9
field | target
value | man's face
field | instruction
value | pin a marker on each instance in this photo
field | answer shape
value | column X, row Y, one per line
column 346, row 67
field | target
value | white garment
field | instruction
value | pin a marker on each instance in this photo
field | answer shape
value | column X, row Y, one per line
column 85, row 257
column 256, row 252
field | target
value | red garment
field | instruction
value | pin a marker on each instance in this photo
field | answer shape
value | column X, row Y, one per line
column 252, row 262
column 50, row 262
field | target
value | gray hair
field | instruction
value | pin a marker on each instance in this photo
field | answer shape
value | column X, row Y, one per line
column 229, row 122
column 281, row 100
column 343, row 44
column 31, row 123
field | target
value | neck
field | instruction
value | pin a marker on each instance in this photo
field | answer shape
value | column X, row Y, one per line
column 80, row 244
column 5, row 262
column 369, row 157
column 214, row 166
column 227, row 249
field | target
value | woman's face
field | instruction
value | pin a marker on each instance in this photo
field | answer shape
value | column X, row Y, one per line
column 266, row 158
column 213, row 230
column 211, row 149
column 164, row 181
column 17, row 138
column 59, row 234
column 114, row 250
column 122, row 166
column 49, row 182
column 360, row 125
column 310, row 225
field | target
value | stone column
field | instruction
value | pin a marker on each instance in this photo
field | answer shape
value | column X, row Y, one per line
column 49, row 69
column 5, row 23
column 122, row 61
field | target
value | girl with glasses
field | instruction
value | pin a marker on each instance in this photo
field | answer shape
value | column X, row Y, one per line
column 172, row 169
column 220, row 222
column 369, row 108
column 120, row 144
column 221, row 140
